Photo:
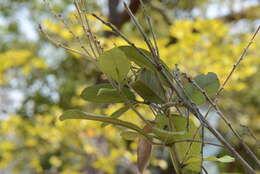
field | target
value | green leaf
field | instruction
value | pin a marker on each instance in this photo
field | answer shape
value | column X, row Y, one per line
column 117, row 114
column 105, row 93
column 115, row 64
column 130, row 135
column 161, row 121
column 187, row 153
column 162, row 129
column 184, row 150
column 77, row 114
column 224, row 159
column 149, row 87
column 194, row 94
column 133, row 55
column 210, row 83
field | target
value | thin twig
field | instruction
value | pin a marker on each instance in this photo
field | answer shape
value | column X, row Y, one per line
column 88, row 33
column 114, row 29
column 61, row 45
column 203, row 168
column 202, row 146
column 251, row 133
column 248, row 150
column 224, row 118
column 151, row 29
column 238, row 61
column 74, row 35
column 198, row 141
column 139, row 27
column 192, row 107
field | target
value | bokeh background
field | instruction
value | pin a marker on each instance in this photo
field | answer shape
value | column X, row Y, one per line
column 38, row 81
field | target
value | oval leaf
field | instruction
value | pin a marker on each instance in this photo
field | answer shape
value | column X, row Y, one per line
column 210, row 83
column 105, row 93
column 115, row 64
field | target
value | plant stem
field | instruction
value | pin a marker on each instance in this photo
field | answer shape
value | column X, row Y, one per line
column 175, row 161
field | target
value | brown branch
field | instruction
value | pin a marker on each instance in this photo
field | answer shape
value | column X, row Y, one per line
column 117, row 18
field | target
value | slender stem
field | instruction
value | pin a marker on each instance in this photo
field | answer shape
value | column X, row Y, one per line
column 224, row 118
column 202, row 146
column 175, row 162
column 139, row 27
column 238, row 61
column 193, row 108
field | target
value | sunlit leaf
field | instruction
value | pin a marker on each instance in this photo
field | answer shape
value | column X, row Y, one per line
column 105, row 93
column 224, row 159
column 185, row 150
column 115, row 64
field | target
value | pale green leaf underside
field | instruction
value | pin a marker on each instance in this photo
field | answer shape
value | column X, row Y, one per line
column 115, row 64
column 105, row 93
